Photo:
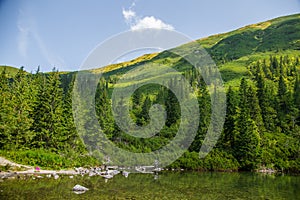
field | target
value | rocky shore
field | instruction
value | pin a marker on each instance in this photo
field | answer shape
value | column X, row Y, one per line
column 15, row 170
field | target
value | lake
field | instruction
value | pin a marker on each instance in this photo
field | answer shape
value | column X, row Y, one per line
column 166, row 185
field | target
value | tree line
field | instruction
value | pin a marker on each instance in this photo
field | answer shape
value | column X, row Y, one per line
column 262, row 125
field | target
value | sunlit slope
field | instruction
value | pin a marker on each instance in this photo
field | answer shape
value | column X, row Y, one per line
column 233, row 52
column 11, row 71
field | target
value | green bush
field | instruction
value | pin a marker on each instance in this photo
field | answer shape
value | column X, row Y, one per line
column 216, row 160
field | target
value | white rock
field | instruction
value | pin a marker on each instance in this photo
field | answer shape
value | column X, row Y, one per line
column 56, row 176
column 79, row 192
column 108, row 176
column 125, row 173
column 79, row 188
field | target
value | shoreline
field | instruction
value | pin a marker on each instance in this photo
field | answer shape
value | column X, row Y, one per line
column 15, row 169
column 29, row 170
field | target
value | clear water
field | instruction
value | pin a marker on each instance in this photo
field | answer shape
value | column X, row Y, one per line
column 185, row 185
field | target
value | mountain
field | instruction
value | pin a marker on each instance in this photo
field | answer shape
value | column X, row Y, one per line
column 232, row 51
column 260, row 66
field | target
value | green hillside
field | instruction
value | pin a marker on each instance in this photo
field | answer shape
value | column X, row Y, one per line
column 260, row 59
column 235, row 50
column 11, row 71
column 260, row 66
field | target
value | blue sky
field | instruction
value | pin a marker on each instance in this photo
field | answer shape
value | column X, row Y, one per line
column 61, row 33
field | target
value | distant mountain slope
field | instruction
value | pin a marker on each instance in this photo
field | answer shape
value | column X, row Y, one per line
column 262, row 123
column 232, row 51
column 278, row 34
column 11, row 71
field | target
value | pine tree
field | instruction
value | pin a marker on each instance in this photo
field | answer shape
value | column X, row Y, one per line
column 23, row 100
column 254, row 108
column 231, row 104
column 284, row 99
column 145, row 111
column 265, row 101
column 103, row 109
column 247, row 142
column 161, row 96
column 274, row 66
column 136, row 98
column 6, row 111
column 297, row 100
column 48, row 113
column 248, row 145
column 70, row 131
column 119, row 111
column 267, row 72
column 204, row 102
column 172, row 108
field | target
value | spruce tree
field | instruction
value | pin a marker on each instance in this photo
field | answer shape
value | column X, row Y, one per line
column 103, row 109
column 172, row 108
column 247, row 142
column 297, row 100
column 254, row 108
column 71, row 135
column 265, row 101
column 204, row 102
column 232, row 103
column 48, row 115
column 6, row 111
column 22, row 99
column 284, row 99
column 145, row 111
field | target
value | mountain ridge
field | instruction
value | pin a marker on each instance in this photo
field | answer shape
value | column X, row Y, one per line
column 262, row 105
column 234, row 45
column 218, row 45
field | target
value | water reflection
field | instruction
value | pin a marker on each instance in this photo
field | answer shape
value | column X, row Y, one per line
column 174, row 185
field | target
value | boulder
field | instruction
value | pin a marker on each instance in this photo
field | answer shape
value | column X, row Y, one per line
column 79, row 188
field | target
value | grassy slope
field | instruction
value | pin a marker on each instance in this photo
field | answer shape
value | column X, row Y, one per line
column 232, row 51
column 11, row 71
column 120, row 66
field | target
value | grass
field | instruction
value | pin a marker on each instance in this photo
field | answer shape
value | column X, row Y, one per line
column 233, row 51
column 232, row 72
column 117, row 66
column 49, row 160
column 11, row 71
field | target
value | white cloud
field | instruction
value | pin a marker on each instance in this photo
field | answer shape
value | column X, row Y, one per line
column 150, row 22
column 135, row 22
column 128, row 14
